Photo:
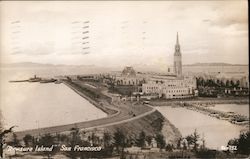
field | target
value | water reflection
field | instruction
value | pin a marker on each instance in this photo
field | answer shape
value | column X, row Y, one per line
column 242, row 109
column 216, row 132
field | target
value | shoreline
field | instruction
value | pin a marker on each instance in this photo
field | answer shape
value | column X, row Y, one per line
column 108, row 111
column 233, row 118
column 244, row 100
column 202, row 106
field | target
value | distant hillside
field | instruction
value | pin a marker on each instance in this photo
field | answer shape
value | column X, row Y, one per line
column 25, row 64
column 215, row 64
column 32, row 64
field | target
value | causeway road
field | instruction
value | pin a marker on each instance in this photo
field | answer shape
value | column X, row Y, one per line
column 125, row 112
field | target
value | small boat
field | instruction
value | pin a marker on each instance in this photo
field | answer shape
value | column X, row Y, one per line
column 241, row 122
column 35, row 79
column 58, row 82
column 47, row 80
column 19, row 81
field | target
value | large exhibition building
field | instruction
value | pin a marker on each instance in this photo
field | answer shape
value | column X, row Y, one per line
column 170, row 86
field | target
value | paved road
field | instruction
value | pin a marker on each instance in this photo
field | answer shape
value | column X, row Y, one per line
column 124, row 121
column 118, row 118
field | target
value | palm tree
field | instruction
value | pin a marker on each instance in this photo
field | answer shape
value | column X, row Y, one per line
column 2, row 134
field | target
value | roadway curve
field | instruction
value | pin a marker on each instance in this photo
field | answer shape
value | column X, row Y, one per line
column 121, row 116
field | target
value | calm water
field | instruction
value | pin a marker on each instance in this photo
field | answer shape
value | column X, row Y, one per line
column 33, row 105
column 242, row 109
column 216, row 132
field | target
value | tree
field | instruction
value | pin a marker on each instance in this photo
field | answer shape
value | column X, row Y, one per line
column 242, row 143
column 47, row 141
column 119, row 140
column 63, row 138
column 193, row 140
column 169, row 147
column 237, row 83
column 190, row 140
column 1, row 122
column 15, row 141
column 179, row 143
column 141, row 139
column 2, row 135
column 222, row 84
column 196, row 137
column 149, row 139
column 232, row 83
column 75, row 139
column 108, row 148
column 27, row 139
column 218, row 82
column 107, row 139
column 227, row 83
column 160, row 141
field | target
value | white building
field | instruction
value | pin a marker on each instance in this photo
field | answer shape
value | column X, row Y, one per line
column 171, row 86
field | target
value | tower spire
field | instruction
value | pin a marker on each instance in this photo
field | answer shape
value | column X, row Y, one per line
column 177, row 58
column 177, row 45
column 177, row 39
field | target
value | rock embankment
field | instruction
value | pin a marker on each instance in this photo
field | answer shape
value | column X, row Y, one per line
column 152, row 124
column 201, row 101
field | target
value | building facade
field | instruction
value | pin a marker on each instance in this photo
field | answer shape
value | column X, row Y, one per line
column 129, row 77
column 172, row 86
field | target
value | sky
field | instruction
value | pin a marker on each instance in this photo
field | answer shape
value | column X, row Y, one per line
column 123, row 33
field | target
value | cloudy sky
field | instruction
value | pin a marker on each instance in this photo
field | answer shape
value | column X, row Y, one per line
column 122, row 33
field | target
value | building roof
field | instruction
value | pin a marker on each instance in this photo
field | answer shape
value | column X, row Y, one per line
column 128, row 72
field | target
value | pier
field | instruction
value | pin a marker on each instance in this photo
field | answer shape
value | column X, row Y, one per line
column 228, row 116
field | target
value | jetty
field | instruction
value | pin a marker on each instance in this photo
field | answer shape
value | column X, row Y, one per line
column 228, row 116
column 39, row 79
column 203, row 105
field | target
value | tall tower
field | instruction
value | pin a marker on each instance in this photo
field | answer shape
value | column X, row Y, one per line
column 177, row 59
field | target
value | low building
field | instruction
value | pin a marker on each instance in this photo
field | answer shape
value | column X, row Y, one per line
column 170, row 88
